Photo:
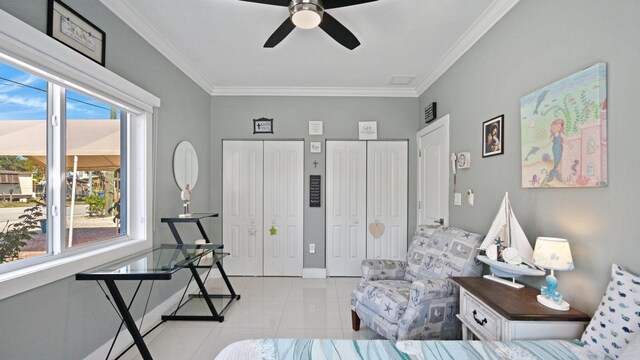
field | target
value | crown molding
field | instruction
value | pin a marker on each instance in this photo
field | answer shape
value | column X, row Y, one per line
column 486, row 21
column 312, row 91
column 133, row 19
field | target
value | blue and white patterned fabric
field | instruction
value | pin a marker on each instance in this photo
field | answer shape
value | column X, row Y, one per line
column 416, row 299
column 388, row 298
column 376, row 269
column 617, row 319
column 443, row 253
column 303, row 349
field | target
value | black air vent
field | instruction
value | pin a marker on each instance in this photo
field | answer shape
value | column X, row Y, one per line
column 430, row 113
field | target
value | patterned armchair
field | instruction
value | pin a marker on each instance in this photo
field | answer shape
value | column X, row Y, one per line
column 416, row 299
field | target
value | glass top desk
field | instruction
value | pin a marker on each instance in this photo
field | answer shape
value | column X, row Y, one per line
column 156, row 264
column 159, row 263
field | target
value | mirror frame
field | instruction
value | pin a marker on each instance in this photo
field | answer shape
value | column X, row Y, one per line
column 180, row 167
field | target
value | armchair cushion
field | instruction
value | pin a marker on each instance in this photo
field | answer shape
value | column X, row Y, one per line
column 376, row 269
column 443, row 253
column 425, row 290
column 431, row 312
column 387, row 298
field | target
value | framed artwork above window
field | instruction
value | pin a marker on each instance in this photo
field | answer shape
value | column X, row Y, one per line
column 72, row 29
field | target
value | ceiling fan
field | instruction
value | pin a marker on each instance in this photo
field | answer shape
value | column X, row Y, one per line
column 307, row 14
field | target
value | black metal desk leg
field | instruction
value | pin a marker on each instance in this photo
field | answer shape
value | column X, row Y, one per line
column 128, row 320
column 226, row 281
column 205, row 293
column 174, row 231
column 204, row 234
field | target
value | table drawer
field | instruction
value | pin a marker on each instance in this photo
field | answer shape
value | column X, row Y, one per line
column 482, row 319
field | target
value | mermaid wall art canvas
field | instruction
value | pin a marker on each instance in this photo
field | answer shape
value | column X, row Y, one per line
column 564, row 132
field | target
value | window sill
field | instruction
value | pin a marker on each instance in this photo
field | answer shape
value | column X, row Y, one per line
column 60, row 267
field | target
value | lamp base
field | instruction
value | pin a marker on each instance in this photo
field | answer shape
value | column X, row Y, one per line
column 564, row 306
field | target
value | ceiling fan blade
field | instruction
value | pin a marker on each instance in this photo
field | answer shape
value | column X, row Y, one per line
column 338, row 32
column 281, row 32
column 270, row 2
column 332, row 4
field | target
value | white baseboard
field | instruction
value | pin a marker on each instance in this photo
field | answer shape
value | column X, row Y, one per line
column 151, row 319
column 310, row 273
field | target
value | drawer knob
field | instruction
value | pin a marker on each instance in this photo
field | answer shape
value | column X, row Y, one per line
column 480, row 322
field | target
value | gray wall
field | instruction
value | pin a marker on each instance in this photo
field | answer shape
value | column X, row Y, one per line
column 535, row 44
column 70, row 319
column 231, row 118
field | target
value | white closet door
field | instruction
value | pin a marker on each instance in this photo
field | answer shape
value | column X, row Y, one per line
column 387, row 199
column 283, row 207
column 346, row 207
column 242, row 207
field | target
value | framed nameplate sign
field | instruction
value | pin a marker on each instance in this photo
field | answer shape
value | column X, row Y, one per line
column 263, row 126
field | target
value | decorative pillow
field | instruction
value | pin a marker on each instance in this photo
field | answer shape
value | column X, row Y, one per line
column 617, row 319
column 443, row 253
column 631, row 351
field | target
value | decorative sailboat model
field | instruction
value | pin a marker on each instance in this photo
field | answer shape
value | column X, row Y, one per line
column 507, row 250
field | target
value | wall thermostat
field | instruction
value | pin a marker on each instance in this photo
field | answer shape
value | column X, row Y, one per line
column 463, row 160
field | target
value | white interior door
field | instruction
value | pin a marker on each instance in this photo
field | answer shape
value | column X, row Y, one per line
column 433, row 173
column 387, row 199
column 346, row 207
column 283, row 207
column 242, row 215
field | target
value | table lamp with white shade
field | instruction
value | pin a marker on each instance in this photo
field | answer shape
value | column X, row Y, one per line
column 554, row 254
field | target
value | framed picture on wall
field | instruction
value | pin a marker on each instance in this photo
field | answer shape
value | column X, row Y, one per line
column 263, row 126
column 316, row 146
column 493, row 136
column 368, row 130
column 73, row 30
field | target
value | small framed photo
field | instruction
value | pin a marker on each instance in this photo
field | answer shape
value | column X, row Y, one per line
column 263, row 126
column 316, row 146
column 368, row 130
column 73, row 30
column 493, row 136
column 315, row 127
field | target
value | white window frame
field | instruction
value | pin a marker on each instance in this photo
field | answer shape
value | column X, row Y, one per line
column 25, row 47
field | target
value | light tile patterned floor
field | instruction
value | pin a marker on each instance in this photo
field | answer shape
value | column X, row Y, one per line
column 270, row 307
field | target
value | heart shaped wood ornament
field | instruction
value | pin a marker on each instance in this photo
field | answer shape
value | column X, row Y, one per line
column 376, row 229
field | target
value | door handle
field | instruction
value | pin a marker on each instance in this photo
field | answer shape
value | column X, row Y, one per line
column 439, row 221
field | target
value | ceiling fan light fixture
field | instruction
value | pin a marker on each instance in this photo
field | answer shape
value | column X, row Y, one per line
column 306, row 14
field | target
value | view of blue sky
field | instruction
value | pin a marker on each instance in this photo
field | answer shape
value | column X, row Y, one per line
column 24, row 97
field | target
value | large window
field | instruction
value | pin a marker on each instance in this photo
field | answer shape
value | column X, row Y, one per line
column 23, row 165
column 93, row 162
column 76, row 154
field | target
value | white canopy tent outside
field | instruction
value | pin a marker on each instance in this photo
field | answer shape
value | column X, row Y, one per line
column 92, row 145
column 96, row 143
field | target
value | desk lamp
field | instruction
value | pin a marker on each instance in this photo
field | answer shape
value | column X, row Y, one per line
column 554, row 254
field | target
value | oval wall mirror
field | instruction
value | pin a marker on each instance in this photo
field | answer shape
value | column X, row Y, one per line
column 185, row 165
